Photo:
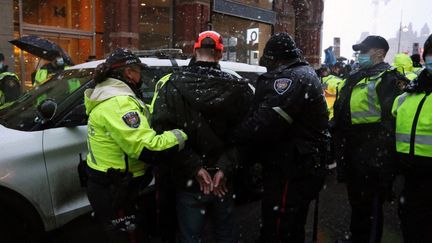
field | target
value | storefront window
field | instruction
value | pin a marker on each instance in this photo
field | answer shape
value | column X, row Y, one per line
column 59, row 13
column 69, row 24
column 266, row 4
column 244, row 40
column 154, row 24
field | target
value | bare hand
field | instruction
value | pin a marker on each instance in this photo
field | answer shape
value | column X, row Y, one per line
column 205, row 181
column 219, row 182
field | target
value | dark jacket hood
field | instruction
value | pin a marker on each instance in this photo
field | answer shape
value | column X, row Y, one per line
column 206, row 87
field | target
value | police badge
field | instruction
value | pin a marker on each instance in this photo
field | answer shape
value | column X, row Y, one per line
column 281, row 85
column 132, row 119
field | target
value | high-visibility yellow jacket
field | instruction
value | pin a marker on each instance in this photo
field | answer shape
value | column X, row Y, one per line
column 413, row 123
column 331, row 85
column 364, row 104
column 404, row 65
column 119, row 131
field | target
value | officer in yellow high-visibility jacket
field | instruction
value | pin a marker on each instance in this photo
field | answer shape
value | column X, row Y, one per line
column 10, row 88
column 413, row 112
column 364, row 143
column 46, row 71
column 404, row 64
column 331, row 85
column 121, row 145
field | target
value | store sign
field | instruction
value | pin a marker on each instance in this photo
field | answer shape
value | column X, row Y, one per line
column 244, row 11
column 252, row 36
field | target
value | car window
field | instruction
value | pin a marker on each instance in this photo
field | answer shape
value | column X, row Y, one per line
column 63, row 89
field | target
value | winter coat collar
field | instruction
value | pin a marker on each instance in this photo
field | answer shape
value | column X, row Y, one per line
column 208, row 88
column 214, row 65
column 107, row 89
column 423, row 83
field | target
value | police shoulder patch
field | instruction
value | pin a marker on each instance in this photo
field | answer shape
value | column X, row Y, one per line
column 132, row 119
column 281, row 85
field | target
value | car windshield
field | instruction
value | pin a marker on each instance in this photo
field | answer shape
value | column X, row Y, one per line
column 22, row 113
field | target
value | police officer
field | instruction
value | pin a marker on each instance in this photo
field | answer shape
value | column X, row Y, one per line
column 9, row 83
column 403, row 63
column 288, row 126
column 364, row 137
column 56, row 65
column 121, row 145
column 413, row 115
column 331, row 85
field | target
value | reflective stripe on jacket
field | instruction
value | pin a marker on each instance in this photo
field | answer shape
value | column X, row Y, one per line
column 4, row 74
column 364, row 103
column 118, row 127
column 413, row 123
column 158, row 86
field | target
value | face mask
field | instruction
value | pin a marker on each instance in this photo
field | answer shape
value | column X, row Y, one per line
column 59, row 61
column 428, row 63
column 365, row 61
column 1, row 65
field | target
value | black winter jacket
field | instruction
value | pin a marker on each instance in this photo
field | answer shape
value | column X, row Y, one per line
column 206, row 103
column 289, row 117
column 367, row 149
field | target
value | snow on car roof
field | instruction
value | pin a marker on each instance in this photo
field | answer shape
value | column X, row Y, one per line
column 152, row 62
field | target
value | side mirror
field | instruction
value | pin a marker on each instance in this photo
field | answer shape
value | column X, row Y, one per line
column 47, row 109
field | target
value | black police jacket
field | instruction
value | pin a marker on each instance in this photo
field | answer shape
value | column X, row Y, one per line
column 367, row 149
column 289, row 117
column 206, row 104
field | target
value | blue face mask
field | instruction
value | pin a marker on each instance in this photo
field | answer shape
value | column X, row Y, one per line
column 428, row 63
column 1, row 65
column 364, row 61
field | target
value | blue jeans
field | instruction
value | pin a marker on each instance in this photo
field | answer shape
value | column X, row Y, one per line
column 192, row 209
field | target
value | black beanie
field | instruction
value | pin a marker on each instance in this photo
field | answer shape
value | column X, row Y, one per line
column 427, row 47
column 281, row 46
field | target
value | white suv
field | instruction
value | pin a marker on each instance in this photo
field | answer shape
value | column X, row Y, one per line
column 42, row 139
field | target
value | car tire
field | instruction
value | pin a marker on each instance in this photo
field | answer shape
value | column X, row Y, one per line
column 19, row 222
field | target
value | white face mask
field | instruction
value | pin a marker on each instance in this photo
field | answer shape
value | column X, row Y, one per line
column 59, row 61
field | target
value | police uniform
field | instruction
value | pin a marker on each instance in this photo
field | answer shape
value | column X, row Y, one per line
column 413, row 115
column 9, row 87
column 288, row 126
column 364, row 142
column 403, row 63
column 121, row 145
column 331, row 86
column 44, row 73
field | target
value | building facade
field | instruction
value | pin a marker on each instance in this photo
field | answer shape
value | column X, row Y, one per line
column 85, row 28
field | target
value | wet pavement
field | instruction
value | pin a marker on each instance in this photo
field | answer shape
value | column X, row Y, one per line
column 334, row 212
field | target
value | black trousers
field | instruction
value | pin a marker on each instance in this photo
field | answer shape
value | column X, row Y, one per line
column 415, row 209
column 366, row 197
column 122, row 223
column 285, row 205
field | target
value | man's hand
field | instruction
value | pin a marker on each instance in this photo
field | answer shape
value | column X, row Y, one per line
column 205, row 181
column 220, row 188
